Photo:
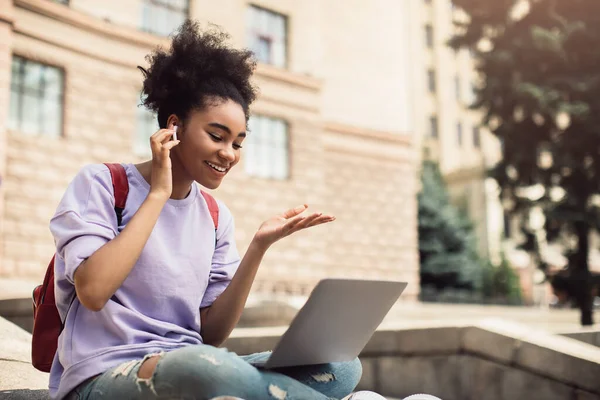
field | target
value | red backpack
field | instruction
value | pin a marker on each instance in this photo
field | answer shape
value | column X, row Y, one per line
column 47, row 324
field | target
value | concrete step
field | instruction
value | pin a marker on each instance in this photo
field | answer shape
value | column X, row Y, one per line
column 18, row 378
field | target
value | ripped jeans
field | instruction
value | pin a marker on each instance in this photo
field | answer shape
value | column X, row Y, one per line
column 205, row 372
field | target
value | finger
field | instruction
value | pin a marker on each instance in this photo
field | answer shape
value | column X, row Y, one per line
column 156, row 141
column 322, row 219
column 169, row 145
column 168, row 136
column 304, row 222
column 292, row 212
column 290, row 224
column 162, row 135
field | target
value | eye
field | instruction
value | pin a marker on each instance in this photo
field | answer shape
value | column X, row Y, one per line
column 214, row 137
column 237, row 146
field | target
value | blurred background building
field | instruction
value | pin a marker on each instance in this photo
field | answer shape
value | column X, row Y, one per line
column 333, row 126
column 447, row 131
column 450, row 133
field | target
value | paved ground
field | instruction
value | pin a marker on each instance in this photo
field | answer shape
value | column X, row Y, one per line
column 552, row 320
column 17, row 288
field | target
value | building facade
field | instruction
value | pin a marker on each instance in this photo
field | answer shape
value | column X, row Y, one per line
column 332, row 125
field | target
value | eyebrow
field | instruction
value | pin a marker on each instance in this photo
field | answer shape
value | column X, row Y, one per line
column 225, row 128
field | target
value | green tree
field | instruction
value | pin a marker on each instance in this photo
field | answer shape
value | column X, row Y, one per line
column 540, row 93
column 447, row 246
column 501, row 283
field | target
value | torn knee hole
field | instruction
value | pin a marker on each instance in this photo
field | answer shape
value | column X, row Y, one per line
column 277, row 392
column 324, row 377
column 148, row 367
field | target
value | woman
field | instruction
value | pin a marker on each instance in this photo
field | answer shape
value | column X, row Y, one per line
column 147, row 302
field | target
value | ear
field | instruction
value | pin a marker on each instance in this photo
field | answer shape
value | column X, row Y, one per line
column 173, row 119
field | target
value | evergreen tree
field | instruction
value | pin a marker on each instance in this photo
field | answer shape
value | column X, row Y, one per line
column 501, row 283
column 447, row 246
column 540, row 93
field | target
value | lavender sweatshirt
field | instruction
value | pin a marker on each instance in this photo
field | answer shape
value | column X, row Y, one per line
column 157, row 308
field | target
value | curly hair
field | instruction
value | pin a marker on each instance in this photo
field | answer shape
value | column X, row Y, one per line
column 199, row 70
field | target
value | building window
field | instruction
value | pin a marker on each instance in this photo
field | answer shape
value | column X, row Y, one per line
column 267, row 36
column 476, row 137
column 459, row 133
column 429, row 36
column 266, row 149
column 36, row 98
column 162, row 17
column 431, row 81
column 433, row 127
column 146, row 125
column 457, row 87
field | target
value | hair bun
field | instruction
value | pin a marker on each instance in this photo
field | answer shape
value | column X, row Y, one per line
column 199, row 63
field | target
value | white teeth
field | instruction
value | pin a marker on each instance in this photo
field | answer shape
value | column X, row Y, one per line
column 220, row 169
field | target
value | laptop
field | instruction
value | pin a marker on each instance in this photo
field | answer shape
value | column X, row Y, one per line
column 335, row 323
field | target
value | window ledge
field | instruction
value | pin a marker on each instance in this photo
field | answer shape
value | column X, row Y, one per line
column 67, row 15
column 388, row 137
column 7, row 14
column 296, row 79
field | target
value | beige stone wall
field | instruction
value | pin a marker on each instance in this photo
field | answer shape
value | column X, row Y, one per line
column 6, row 38
column 365, row 177
column 124, row 13
column 366, row 64
column 371, row 184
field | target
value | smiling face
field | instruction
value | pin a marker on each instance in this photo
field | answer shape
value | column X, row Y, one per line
column 211, row 140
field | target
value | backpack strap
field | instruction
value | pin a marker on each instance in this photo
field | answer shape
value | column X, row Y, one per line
column 120, row 187
column 213, row 208
column 41, row 293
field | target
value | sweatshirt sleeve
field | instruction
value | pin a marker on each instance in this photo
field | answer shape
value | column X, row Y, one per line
column 226, row 258
column 85, row 219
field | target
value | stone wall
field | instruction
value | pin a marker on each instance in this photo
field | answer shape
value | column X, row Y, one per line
column 588, row 336
column 491, row 360
column 18, row 379
column 6, row 38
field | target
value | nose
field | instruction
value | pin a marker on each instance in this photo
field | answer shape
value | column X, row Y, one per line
column 227, row 153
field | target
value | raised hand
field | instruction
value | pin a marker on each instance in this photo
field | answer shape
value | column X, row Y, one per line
column 285, row 224
column 161, row 180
